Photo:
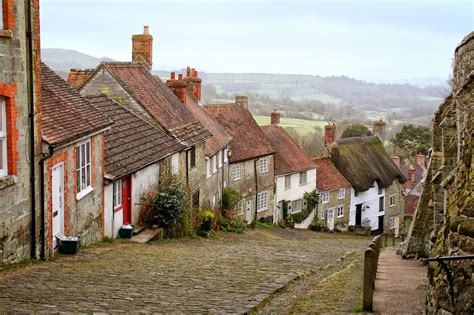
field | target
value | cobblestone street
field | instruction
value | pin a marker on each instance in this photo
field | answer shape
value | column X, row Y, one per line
column 231, row 273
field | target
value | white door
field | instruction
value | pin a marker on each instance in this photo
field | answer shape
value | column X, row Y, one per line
column 248, row 211
column 330, row 217
column 57, row 196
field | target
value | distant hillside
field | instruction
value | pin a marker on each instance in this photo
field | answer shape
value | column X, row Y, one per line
column 62, row 60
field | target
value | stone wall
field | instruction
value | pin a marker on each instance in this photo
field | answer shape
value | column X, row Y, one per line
column 341, row 223
column 446, row 208
column 15, row 188
column 397, row 209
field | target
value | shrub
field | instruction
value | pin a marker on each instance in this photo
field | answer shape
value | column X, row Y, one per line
column 230, row 199
column 317, row 225
column 231, row 225
column 171, row 203
column 207, row 217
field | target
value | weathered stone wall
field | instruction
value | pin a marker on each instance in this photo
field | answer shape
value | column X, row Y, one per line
column 213, row 185
column 395, row 211
column 15, row 199
column 334, row 201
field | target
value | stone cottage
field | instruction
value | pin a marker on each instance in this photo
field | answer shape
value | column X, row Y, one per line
column 188, row 90
column 134, row 149
column 377, row 183
column 251, row 159
column 21, row 223
column 295, row 173
column 335, row 195
column 133, row 85
column 73, row 133
column 443, row 222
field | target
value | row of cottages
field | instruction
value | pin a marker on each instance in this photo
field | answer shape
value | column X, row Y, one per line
column 295, row 173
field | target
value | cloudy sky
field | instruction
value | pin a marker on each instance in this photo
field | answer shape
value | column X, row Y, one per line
column 365, row 39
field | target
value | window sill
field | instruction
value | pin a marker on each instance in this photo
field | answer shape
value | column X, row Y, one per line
column 340, row 216
column 6, row 33
column 236, row 179
column 262, row 210
column 7, row 181
column 84, row 193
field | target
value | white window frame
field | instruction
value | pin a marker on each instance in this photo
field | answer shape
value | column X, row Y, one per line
column 117, row 194
column 82, row 187
column 325, row 197
column 342, row 193
column 303, row 178
column 226, row 152
column 391, row 200
column 296, row 205
column 287, row 179
column 391, row 223
column 214, row 163
column 175, row 164
column 219, row 158
column 263, row 165
column 340, row 211
column 236, row 172
column 262, row 201
column 3, row 137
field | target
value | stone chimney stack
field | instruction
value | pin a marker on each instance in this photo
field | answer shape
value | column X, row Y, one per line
column 242, row 100
column 275, row 118
column 178, row 87
column 194, row 82
column 76, row 77
column 379, row 129
column 329, row 133
column 142, row 48
column 396, row 160
column 420, row 160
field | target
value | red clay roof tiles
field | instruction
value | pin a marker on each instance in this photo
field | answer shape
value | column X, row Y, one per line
column 328, row 178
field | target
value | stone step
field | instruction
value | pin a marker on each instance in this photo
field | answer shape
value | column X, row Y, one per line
column 137, row 229
column 147, row 235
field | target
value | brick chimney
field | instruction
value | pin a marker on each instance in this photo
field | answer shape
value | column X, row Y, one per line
column 142, row 48
column 396, row 160
column 275, row 118
column 76, row 77
column 379, row 129
column 329, row 133
column 242, row 100
column 420, row 160
column 411, row 177
column 194, row 82
column 178, row 87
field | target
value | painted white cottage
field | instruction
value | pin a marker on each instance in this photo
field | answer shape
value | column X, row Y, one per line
column 295, row 173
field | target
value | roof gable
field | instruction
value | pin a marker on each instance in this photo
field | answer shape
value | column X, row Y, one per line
column 328, row 177
column 289, row 157
column 248, row 140
column 363, row 160
column 66, row 115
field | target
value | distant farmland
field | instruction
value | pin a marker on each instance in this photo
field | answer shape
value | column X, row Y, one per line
column 303, row 126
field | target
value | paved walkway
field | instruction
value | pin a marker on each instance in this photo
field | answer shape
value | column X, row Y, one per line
column 232, row 273
column 400, row 287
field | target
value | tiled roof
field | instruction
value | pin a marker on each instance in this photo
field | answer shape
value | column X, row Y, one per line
column 289, row 157
column 66, row 115
column 328, row 178
column 363, row 160
column 411, row 202
column 220, row 138
column 248, row 141
column 132, row 143
column 158, row 100
column 419, row 172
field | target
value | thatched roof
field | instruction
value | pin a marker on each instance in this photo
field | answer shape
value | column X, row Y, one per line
column 363, row 160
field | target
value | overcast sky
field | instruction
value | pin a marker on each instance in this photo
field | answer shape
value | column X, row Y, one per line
column 370, row 40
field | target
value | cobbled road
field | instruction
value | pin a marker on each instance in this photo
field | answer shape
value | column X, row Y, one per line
column 232, row 273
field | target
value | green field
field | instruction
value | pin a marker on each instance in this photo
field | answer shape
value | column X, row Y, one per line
column 303, row 126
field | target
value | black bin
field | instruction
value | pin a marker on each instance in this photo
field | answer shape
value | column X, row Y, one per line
column 70, row 246
column 126, row 231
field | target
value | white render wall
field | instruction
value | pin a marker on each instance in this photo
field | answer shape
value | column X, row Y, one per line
column 112, row 220
column 142, row 180
column 295, row 192
column 370, row 198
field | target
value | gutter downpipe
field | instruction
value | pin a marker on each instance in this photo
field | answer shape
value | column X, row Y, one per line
column 31, row 120
column 256, row 191
column 42, row 201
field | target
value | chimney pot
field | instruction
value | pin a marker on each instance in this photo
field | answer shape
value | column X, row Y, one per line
column 188, row 71
column 146, row 30
column 242, row 100
column 180, row 77
column 275, row 118
column 195, row 73
column 173, row 76
column 329, row 133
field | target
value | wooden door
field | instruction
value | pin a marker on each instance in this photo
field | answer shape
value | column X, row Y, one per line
column 127, row 199
column 358, row 215
column 381, row 224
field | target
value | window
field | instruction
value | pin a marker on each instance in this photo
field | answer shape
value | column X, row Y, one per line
column 225, row 154
column 192, row 157
column 321, row 215
column 325, row 197
column 342, row 193
column 214, row 164
column 175, row 163
column 262, row 201
column 219, row 158
column 356, row 193
column 296, row 205
column 208, row 166
column 263, row 165
column 3, row 138
column 236, row 172
column 303, row 178
column 117, row 193
column 83, row 168
column 287, row 181
column 381, row 204
column 391, row 200
column 340, row 211
column 391, row 223
column 380, row 190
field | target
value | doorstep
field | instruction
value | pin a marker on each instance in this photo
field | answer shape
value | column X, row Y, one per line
column 147, row 235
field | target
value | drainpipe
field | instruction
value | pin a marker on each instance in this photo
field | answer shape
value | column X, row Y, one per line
column 187, row 169
column 256, row 190
column 222, row 177
column 31, row 120
column 42, row 201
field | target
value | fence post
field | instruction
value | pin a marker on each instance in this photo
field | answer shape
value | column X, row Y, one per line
column 369, row 279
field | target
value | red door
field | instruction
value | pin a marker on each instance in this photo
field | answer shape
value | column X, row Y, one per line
column 127, row 199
